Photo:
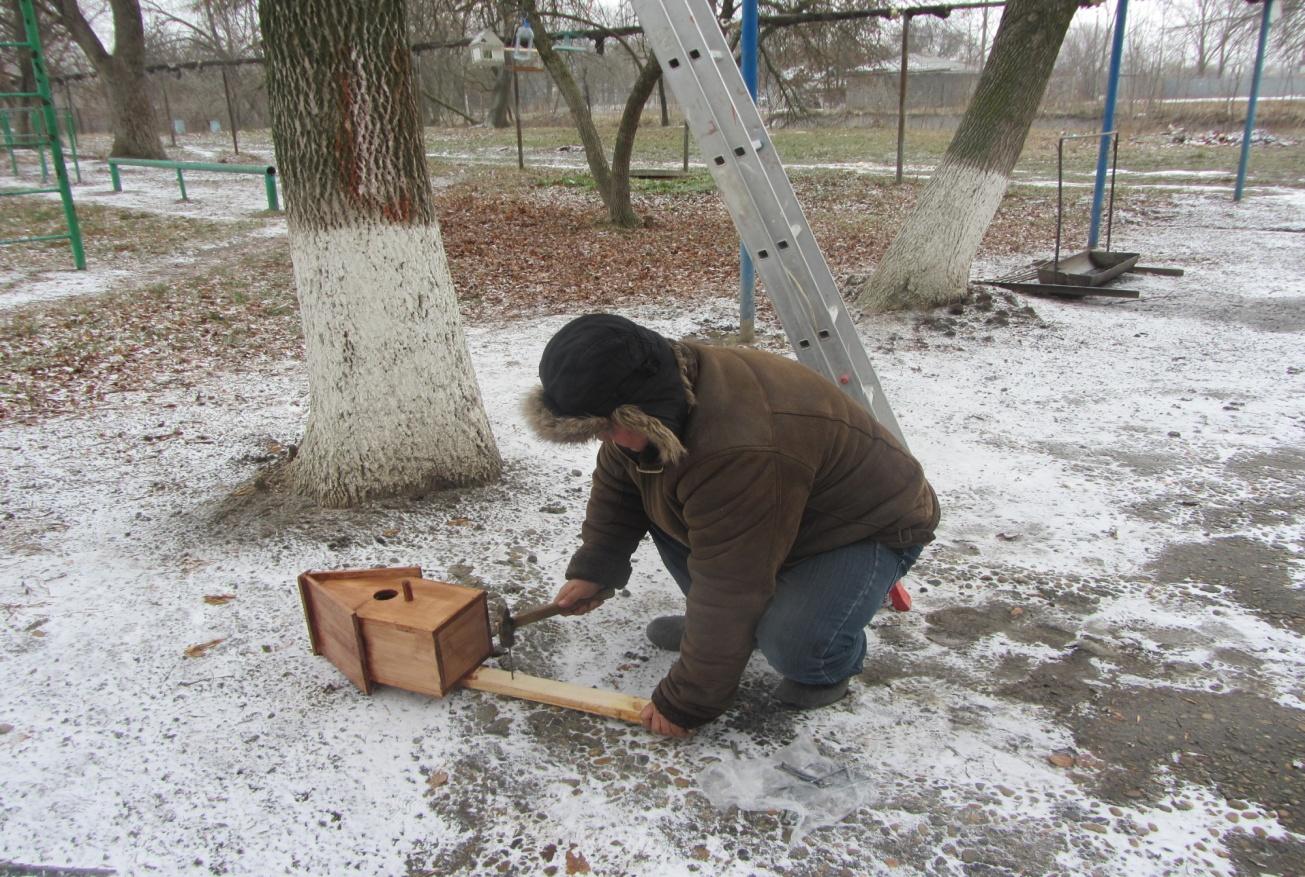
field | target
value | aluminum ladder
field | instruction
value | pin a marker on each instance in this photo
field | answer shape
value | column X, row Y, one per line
column 699, row 67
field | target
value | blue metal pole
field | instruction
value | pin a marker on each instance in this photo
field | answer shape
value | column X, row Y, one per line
column 1250, row 106
column 1108, row 122
column 747, row 274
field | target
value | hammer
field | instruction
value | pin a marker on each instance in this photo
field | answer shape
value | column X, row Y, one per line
column 508, row 623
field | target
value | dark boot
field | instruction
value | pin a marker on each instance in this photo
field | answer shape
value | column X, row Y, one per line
column 801, row 696
column 666, row 632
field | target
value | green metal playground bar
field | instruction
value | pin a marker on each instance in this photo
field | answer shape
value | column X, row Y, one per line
column 45, row 136
column 266, row 171
column 38, row 141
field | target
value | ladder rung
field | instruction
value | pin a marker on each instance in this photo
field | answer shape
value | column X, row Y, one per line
column 728, row 127
column 14, row 45
column 21, row 94
column 28, row 191
column 44, row 237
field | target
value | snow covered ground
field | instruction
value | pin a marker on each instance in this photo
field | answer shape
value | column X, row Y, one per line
column 1101, row 673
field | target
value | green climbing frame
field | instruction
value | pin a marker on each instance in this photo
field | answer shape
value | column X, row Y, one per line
column 45, row 136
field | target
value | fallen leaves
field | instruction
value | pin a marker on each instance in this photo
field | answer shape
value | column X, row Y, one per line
column 218, row 599
column 513, row 251
column 1062, row 758
column 437, row 779
column 576, row 862
column 200, row 649
column 238, row 305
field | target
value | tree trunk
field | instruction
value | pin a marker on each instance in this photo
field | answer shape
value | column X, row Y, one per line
column 135, row 124
column 615, row 194
column 649, row 76
column 26, row 80
column 498, row 112
column 394, row 405
column 928, row 264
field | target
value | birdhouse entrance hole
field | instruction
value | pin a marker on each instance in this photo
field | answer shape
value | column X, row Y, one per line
column 387, row 594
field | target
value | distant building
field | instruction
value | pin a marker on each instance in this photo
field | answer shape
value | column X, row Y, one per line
column 932, row 83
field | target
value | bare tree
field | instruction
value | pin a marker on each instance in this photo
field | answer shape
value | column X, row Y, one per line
column 1083, row 60
column 612, row 180
column 928, row 263
column 441, row 76
column 222, row 30
column 1199, row 19
column 394, row 405
column 1289, row 33
column 122, row 75
column 808, row 65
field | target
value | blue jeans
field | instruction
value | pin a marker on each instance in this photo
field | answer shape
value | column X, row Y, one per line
column 813, row 631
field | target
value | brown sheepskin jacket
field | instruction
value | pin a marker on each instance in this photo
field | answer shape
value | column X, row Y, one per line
column 775, row 465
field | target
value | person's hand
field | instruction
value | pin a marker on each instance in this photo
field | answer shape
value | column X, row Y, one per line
column 654, row 721
column 577, row 597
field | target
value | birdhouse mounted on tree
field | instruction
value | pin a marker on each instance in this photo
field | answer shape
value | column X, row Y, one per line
column 486, row 49
column 392, row 627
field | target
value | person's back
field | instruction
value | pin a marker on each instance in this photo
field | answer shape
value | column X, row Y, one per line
column 862, row 483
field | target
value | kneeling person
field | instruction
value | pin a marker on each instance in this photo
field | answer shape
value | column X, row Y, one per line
column 780, row 507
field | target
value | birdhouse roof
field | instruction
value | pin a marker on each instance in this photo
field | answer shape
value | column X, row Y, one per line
column 382, row 599
column 487, row 38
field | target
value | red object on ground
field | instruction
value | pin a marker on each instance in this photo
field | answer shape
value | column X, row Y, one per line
column 900, row 597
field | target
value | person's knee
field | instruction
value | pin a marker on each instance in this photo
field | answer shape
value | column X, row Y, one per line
column 804, row 659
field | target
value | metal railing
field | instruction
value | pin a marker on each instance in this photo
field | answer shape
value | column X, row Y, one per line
column 266, row 171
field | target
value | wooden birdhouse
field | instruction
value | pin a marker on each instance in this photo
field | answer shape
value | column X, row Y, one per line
column 486, row 49
column 392, row 627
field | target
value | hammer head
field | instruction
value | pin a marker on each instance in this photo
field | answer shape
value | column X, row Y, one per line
column 507, row 629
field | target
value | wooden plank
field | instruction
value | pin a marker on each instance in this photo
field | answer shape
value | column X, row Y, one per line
column 464, row 643
column 360, row 647
column 612, row 704
column 402, row 658
column 432, row 605
column 1156, row 269
column 305, row 582
column 337, row 636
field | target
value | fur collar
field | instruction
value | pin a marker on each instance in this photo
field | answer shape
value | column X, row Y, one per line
column 554, row 427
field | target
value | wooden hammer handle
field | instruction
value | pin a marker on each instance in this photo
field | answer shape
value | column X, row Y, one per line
column 539, row 613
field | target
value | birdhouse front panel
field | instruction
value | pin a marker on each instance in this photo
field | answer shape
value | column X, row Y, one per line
column 392, row 627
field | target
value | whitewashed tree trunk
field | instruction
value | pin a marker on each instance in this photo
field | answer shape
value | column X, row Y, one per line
column 928, row 263
column 394, row 405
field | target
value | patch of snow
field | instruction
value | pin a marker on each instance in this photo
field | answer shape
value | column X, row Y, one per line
column 53, row 285
column 260, row 758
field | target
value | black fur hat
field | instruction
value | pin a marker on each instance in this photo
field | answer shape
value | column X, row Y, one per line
column 602, row 369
